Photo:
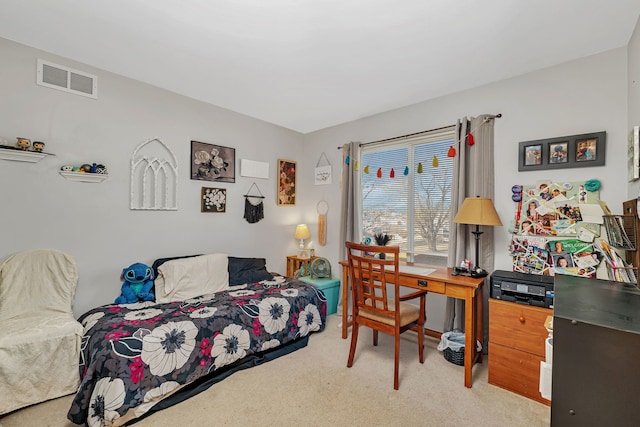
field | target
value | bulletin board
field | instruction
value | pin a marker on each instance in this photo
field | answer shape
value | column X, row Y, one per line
column 554, row 228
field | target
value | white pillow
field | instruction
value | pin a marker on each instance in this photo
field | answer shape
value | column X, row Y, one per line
column 181, row 279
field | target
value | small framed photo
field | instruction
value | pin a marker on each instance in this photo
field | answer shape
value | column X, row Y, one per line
column 213, row 200
column 586, row 150
column 559, row 152
column 286, row 182
column 211, row 162
column 533, row 155
column 573, row 151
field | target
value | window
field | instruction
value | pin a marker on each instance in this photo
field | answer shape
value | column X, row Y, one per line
column 413, row 205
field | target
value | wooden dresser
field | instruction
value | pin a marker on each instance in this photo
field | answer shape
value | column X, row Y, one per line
column 517, row 346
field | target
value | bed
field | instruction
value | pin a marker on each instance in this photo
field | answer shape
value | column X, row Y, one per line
column 139, row 358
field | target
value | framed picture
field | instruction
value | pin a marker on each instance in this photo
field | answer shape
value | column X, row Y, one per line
column 563, row 152
column 212, row 162
column 286, row 182
column 559, row 152
column 213, row 200
column 633, row 154
column 533, row 155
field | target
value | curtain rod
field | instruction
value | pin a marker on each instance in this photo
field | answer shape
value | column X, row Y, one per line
column 497, row 116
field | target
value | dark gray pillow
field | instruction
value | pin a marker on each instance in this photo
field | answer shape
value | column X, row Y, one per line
column 247, row 270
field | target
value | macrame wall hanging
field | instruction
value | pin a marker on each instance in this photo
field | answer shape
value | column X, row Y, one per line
column 322, row 207
column 253, row 205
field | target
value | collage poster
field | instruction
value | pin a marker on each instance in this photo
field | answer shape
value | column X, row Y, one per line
column 555, row 226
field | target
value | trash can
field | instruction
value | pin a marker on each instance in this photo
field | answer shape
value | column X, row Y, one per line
column 452, row 347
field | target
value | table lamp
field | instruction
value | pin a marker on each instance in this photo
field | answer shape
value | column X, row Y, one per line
column 477, row 211
column 302, row 232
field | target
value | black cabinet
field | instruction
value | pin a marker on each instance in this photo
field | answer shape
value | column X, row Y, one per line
column 596, row 353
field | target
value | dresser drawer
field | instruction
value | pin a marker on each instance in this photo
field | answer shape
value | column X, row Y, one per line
column 518, row 326
column 516, row 371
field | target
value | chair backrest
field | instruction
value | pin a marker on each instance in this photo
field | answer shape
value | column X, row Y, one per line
column 39, row 281
column 370, row 276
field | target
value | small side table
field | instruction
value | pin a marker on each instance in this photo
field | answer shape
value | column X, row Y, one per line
column 330, row 287
column 294, row 263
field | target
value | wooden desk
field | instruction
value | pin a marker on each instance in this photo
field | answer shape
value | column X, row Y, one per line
column 441, row 281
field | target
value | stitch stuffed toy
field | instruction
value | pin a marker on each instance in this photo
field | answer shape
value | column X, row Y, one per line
column 138, row 284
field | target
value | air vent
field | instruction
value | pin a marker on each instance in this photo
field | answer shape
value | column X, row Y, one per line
column 67, row 79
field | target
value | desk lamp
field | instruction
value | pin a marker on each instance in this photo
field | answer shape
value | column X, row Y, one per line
column 477, row 211
column 302, row 232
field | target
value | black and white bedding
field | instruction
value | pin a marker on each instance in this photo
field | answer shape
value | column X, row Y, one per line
column 135, row 355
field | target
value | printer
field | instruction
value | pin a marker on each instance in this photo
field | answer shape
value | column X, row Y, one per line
column 529, row 289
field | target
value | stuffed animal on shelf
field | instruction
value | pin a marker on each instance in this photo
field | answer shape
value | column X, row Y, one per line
column 137, row 284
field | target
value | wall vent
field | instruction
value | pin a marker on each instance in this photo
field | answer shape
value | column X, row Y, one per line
column 67, row 79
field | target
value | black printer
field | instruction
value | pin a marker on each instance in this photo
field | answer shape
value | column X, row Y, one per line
column 522, row 288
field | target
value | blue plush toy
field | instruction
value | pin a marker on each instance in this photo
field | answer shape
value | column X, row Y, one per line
column 138, row 284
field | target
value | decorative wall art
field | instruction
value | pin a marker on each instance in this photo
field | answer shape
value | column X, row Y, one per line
column 563, row 152
column 554, row 228
column 212, row 162
column 253, row 205
column 254, row 169
column 213, row 200
column 633, row 160
column 154, row 177
column 286, row 182
column 322, row 175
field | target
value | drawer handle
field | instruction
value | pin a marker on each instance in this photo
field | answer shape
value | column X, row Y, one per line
column 521, row 319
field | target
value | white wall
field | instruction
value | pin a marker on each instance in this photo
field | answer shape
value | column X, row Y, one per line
column 582, row 96
column 633, row 53
column 93, row 222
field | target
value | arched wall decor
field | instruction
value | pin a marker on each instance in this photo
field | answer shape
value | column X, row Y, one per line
column 154, row 177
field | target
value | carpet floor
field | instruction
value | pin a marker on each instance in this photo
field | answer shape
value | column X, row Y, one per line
column 313, row 387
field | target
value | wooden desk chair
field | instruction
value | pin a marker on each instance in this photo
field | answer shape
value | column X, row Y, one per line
column 375, row 306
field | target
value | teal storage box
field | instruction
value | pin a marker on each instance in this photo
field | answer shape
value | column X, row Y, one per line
column 330, row 288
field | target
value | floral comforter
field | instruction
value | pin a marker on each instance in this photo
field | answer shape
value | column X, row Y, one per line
column 133, row 355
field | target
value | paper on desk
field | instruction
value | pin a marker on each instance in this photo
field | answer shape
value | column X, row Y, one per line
column 411, row 269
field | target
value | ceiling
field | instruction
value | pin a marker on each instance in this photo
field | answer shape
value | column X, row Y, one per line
column 311, row 64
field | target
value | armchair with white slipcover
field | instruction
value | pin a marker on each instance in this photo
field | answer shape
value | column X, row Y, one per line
column 39, row 337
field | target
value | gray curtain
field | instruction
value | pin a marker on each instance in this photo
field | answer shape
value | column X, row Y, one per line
column 350, row 205
column 473, row 175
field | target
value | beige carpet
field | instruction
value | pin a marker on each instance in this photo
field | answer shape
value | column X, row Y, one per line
column 313, row 387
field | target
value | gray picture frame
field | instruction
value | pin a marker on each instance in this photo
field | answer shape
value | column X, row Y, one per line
column 574, row 151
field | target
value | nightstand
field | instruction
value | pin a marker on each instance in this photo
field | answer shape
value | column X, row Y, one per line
column 330, row 287
column 294, row 263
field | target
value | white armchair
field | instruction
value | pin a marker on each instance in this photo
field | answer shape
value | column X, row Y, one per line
column 39, row 337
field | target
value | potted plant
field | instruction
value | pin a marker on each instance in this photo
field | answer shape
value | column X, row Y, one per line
column 381, row 240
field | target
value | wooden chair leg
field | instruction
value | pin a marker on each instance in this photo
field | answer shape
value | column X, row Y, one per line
column 396, row 367
column 375, row 337
column 354, row 342
column 421, row 343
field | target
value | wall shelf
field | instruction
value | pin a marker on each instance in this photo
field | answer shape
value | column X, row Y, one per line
column 84, row 176
column 21, row 155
